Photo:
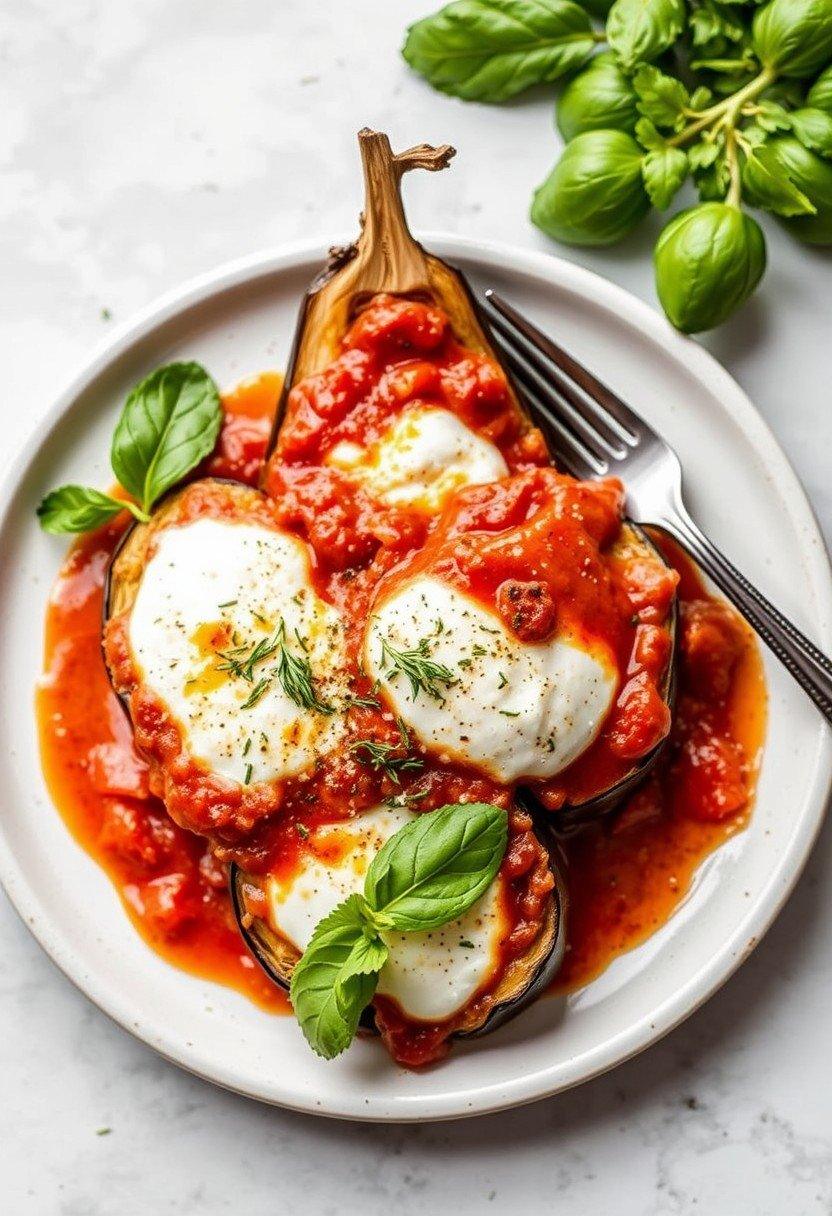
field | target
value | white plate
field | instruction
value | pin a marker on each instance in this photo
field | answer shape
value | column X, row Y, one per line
column 237, row 321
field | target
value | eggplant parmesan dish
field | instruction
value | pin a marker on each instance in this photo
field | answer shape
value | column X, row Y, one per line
column 366, row 708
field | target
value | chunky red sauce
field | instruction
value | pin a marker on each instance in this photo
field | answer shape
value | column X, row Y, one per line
column 626, row 876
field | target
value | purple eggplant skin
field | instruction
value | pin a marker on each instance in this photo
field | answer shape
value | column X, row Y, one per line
column 542, row 970
column 570, row 819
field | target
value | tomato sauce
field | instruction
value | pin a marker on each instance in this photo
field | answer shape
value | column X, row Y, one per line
column 627, row 874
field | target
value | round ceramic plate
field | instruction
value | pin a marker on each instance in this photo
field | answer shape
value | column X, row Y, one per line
column 237, row 321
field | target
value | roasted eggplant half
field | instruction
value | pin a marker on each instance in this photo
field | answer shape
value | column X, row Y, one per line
column 434, row 984
column 228, row 660
column 387, row 259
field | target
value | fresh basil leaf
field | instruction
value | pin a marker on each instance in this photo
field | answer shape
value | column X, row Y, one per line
column 702, row 155
column 80, row 509
column 711, row 22
column 701, row 98
column 648, row 136
column 820, row 94
column 768, row 185
column 600, row 98
column 664, row 171
column 169, row 423
column 712, row 182
column 771, row 116
column 639, row 30
column 812, row 175
column 793, row 37
column 663, row 99
column 335, row 979
column 594, row 195
column 814, row 130
column 367, row 957
column 708, row 261
column 437, row 866
column 490, row 50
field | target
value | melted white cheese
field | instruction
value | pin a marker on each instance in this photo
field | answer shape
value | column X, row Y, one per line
column 430, row 975
column 515, row 709
column 212, row 573
column 427, row 454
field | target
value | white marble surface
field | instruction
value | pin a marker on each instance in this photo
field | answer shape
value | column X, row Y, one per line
column 143, row 141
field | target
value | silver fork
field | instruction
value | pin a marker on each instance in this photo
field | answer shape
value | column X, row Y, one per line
column 593, row 433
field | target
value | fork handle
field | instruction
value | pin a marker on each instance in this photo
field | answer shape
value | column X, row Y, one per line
column 810, row 666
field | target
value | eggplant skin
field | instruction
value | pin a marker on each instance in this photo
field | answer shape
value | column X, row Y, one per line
column 525, row 979
column 572, row 817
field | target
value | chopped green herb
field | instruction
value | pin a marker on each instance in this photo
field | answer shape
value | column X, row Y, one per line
column 103, row 1131
column 509, row 713
column 247, row 747
column 420, row 670
column 241, row 660
column 503, row 680
column 295, row 674
column 247, row 777
column 383, row 758
column 465, row 944
column 367, row 702
column 227, row 604
column 406, row 799
column 256, row 692
column 302, row 830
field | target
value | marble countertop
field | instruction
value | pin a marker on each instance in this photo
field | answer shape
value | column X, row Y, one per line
column 142, row 142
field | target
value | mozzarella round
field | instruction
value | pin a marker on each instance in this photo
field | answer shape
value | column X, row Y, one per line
column 512, row 709
column 425, row 456
column 430, row 975
column 212, row 589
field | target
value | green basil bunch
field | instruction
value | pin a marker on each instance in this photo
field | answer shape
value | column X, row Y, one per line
column 733, row 98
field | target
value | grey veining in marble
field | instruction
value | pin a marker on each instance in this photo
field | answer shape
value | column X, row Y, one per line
column 143, row 141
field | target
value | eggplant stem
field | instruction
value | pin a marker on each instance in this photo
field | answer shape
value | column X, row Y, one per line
column 388, row 257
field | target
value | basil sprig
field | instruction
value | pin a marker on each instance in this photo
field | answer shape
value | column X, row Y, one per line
column 741, row 105
column 490, row 50
column 429, row 873
column 169, row 423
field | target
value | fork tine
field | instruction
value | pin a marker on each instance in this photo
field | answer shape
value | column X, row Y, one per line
column 567, row 451
column 547, row 397
column 600, row 403
column 565, row 399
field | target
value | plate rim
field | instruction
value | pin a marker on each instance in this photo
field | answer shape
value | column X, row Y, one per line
column 697, row 361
